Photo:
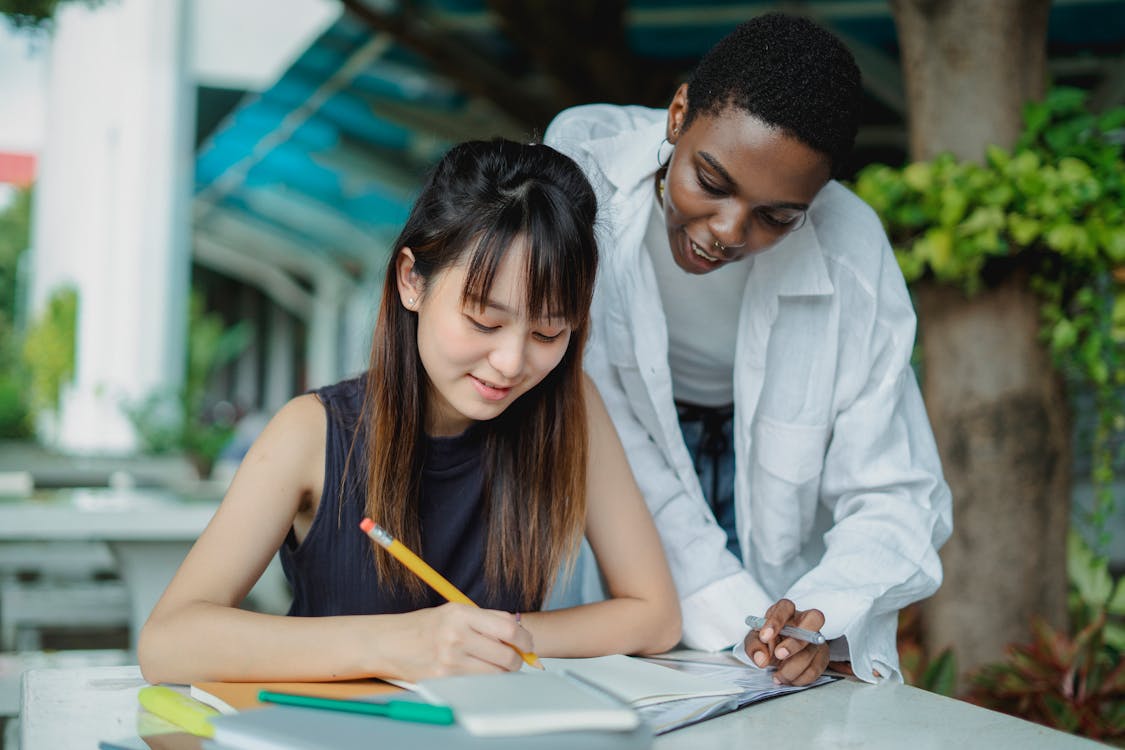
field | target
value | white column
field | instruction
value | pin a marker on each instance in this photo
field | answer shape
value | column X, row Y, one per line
column 281, row 348
column 323, row 350
column 248, row 366
column 111, row 215
column 360, row 313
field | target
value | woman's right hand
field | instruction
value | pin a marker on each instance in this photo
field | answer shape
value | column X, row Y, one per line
column 455, row 639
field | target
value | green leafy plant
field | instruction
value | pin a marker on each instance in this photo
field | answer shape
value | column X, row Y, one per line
column 939, row 674
column 36, row 14
column 184, row 420
column 1053, row 205
column 15, row 226
column 48, row 349
column 1076, row 684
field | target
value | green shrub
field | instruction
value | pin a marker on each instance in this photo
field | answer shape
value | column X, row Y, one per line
column 1076, row 684
column 48, row 349
column 1054, row 207
column 182, row 421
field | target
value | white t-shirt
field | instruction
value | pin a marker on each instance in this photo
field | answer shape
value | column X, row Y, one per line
column 702, row 313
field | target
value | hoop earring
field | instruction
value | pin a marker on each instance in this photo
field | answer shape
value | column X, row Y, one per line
column 661, row 159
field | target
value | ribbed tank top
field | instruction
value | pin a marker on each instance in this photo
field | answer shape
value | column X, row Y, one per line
column 332, row 570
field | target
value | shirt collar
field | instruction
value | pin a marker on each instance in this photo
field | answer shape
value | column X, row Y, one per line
column 630, row 158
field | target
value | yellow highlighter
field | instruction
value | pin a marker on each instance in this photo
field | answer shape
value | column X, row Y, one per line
column 179, row 709
column 422, row 569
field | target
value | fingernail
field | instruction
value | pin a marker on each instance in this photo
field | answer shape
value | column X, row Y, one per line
column 766, row 634
column 776, row 681
column 760, row 659
column 782, row 653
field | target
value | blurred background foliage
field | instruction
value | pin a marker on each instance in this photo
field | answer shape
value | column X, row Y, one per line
column 186, row 420
column 36, row 13
column 1053, row 206
column 1072, row 680
column 1075, row 683
column 15, row 228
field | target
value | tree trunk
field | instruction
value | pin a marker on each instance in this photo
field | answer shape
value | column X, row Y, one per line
column 1003, row 428
column 997, row 405
column 968, row 68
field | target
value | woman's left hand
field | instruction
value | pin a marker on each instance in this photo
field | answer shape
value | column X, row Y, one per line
column 797, row 662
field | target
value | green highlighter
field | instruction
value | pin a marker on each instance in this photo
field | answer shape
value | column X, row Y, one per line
column 425, row 713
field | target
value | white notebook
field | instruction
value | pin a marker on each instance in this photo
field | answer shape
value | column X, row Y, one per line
column 528, row 702
column 599, row 693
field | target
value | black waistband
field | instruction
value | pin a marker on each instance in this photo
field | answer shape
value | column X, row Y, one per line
column 696, row 413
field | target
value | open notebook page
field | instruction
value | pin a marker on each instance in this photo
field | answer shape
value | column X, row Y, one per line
column 641, row 683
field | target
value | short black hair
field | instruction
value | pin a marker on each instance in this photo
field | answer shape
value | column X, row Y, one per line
column 788, row 72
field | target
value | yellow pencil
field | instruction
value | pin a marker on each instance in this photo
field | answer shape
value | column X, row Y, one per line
column 435, row 580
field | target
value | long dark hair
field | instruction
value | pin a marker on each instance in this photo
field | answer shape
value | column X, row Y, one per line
column 480, row 200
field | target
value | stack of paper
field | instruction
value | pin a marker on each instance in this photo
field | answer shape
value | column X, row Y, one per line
column 597, row 693
column 593, row 704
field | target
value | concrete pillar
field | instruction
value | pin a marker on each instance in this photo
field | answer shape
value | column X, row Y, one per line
column 323, row 350
column 247, row 368
column 281, row 348
column 111, row 214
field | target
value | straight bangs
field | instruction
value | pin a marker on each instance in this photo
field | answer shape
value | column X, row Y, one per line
column 561, row 259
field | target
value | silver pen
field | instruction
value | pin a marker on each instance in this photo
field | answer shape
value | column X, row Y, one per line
column 808, row 636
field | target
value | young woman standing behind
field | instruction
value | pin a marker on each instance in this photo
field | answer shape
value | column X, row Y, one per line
column 752, row 337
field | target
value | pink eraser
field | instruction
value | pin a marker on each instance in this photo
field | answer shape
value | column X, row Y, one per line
column 367, row 524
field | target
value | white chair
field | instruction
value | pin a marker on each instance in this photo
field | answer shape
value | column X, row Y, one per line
column 16, row 483
column 57, row 584
column 29, row 608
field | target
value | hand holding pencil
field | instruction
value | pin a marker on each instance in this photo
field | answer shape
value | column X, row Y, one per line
column 512, row 639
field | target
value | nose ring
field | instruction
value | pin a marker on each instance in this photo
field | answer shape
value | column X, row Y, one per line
column 718, row 246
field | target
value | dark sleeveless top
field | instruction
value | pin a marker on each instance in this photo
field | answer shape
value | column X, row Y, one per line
column 332, row 571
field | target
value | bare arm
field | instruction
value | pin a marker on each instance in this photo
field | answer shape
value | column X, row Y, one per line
column 196, row 632
column 642, row 614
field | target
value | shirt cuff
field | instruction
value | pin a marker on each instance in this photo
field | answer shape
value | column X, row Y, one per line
column 738, row 651
column 714, row 616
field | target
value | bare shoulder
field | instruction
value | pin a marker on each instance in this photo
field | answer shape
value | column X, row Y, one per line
column 599, row 423
column 302, row 411
column 592, row 395
column 590, row 389
column 293, row 441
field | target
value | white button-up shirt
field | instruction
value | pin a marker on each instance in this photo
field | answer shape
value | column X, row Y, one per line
column 839, row 496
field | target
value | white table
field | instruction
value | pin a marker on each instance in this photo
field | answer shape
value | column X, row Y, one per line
column 75, row 708
column 148, row 530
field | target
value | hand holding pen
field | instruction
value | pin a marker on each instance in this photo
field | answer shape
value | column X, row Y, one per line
column 808, row 636
column 788, row 639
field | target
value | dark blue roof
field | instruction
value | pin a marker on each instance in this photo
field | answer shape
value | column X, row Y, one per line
column 331, row 154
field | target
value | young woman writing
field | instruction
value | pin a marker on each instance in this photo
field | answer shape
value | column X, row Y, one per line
column 473, row 437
